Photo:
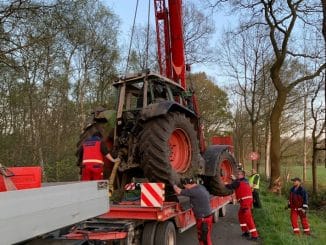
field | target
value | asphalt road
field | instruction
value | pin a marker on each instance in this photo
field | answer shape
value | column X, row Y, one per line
column 225, row 232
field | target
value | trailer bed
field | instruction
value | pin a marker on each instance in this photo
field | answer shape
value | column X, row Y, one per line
column 125, row 218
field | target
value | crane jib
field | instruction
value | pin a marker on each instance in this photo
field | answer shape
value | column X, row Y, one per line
column 170, row 42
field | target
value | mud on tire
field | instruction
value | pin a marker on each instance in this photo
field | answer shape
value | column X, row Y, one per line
column 168, row 147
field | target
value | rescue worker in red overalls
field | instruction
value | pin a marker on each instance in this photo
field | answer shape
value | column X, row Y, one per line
column 244, row 196
column 92, row 154
column 200, row 202
column 298, row 202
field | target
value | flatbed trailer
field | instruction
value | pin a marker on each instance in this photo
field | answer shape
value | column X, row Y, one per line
column 129, row 223
column 80, row 213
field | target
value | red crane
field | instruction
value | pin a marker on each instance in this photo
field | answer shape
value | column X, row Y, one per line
column 169, row 31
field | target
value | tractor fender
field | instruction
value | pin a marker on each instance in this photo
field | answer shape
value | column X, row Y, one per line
column 162, row 108
column 211, row 155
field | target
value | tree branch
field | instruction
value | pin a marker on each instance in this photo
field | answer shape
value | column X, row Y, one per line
column 308, row 77
column 303, row 55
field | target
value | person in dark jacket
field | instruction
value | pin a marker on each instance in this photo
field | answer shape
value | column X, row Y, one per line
column 200, row 201
column 244, row 196
column 92, row 155
column 298, row 202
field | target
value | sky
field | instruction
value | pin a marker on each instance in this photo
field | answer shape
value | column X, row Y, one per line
column 125, row 9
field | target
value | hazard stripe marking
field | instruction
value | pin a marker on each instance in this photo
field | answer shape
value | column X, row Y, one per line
column 152, row 194
column 146, row 202
column 154, row 190
column 130, row 186
column 152, row 200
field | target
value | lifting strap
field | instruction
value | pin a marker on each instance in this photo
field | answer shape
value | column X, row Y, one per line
column 131, row 37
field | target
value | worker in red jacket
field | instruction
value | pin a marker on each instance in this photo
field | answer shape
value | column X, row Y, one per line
column 298, row 202
column 92, row 157
column 200, row 202
column 244, row 196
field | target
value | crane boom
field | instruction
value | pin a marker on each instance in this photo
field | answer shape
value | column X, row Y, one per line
column 170, row 42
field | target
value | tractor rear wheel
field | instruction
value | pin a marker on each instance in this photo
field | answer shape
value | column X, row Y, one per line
column 168, row 148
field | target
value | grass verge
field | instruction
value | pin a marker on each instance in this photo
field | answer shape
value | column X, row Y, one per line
column 274, row 225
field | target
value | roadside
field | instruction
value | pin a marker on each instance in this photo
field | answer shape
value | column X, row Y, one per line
column 225, row 232
column 273, row 222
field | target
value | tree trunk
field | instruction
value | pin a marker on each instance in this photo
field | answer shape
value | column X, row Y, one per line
column 253, row 143
column 240, row 152
column 314, row 171
column 304, row 177
column 323, row 2
column 314, row 158
column 276, row 140
column 268, row 151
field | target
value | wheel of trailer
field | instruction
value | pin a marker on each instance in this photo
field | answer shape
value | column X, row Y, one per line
column 222, row 211
column 225, row 166
column 148, row 234
column 168, row 146
column 165, row 234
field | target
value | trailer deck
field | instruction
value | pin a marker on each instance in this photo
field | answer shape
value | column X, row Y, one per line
column 124, row 219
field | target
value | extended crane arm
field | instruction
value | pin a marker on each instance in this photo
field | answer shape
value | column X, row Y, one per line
column 170, row 42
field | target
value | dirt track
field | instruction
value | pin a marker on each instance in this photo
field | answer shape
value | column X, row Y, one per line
column 225, row 232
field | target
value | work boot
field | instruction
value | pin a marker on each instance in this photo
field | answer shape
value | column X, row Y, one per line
column 245, row 234
column 254, row 239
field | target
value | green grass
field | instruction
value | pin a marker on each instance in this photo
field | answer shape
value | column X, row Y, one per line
column 298, row 171
column 274, row 225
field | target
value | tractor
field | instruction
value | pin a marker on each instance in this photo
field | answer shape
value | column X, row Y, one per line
column 155, row 128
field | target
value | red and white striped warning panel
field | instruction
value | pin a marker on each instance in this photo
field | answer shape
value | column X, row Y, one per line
column 152, row 194
column 130, row 186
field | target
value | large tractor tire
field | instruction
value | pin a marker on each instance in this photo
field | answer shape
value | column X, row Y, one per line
column 223, row 165
column 169, row 148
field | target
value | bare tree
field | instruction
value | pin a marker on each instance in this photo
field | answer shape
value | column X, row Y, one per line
column 323, row 3
column 283, row 19
column 245, row 58
column 241, row 127
column 198, row 31
column 137, row 60
column 281, row 29
column 318, row 131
